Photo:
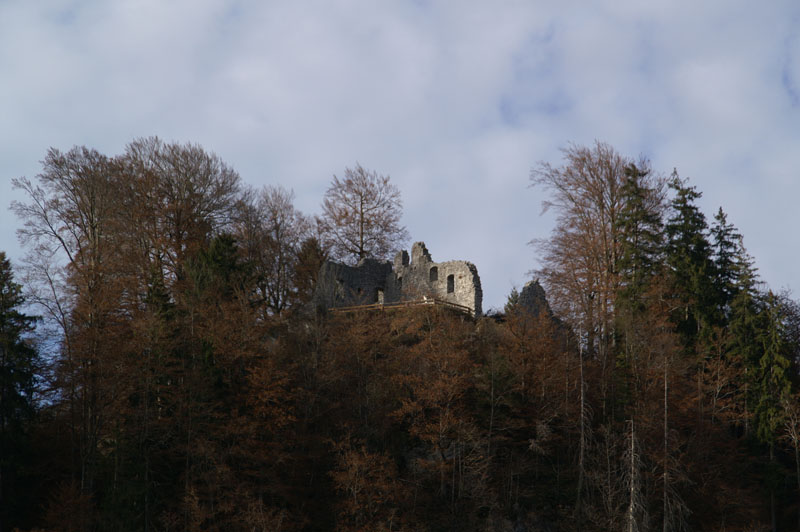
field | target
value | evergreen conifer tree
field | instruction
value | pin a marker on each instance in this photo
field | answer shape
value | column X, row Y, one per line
column 771, row 379
column 689, row 257
column 727, row 243
column 18, row 362
column 641, row 238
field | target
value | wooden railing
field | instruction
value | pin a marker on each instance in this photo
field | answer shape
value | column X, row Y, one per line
column 405, row 304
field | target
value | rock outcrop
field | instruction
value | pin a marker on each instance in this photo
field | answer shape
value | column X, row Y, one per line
column 533, row 299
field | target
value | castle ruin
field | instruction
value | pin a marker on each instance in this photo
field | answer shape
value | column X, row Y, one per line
column 383, row 282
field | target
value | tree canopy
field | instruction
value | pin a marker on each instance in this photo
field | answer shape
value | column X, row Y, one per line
column 186, row 385
column 361, row 215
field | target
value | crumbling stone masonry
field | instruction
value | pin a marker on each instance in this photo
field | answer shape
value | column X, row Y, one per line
column 373, row 281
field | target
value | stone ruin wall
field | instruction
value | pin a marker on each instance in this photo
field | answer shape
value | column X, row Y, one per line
column 373, row 281
column 340, row 285
column 454, row 281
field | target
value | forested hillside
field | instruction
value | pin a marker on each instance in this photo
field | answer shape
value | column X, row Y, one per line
column 163, row 369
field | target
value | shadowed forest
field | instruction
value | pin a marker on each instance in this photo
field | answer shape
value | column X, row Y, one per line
column 163, row 367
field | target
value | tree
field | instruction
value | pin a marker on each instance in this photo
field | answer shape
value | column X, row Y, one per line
column 580, row 258
column 608, row 209
column 176, row 197
column 361, row 215
column 772, row 377
column 272, row 233
column 641, row 249
column 791, row 407
column 69, row 225
column 772, row 385
column 110, row 241
column 641, row 237
column 689, row 257
column 310, row 258
column 728, row 254
column 369, row 488
column 512, row 303
column 178, row 202
column 18, row 361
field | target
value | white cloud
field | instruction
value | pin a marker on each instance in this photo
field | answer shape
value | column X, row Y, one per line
column 457, row 103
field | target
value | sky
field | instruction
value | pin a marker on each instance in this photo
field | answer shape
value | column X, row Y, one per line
column 456, row 101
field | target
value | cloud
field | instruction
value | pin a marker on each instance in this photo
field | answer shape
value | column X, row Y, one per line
column 455, row 103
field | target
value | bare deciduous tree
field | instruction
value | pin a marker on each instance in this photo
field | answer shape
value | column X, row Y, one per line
column 791, row 406
column 178, row 196
column 361, row 215
column 68, row 227
column 271, row 232
column 579, row 260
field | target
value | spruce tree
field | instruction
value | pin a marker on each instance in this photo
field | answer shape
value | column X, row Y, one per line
column 733, row 267
column 18, row 362
column 772, row 386
column 689, row 257
column 639, row 227
column 512, row 302
column 772, row 376
column 641, row 238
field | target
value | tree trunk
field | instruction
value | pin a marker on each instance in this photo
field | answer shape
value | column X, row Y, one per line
column 632, row 484
column 666, row 450
column 581, row 449
column 773, row 517
column 797, row 471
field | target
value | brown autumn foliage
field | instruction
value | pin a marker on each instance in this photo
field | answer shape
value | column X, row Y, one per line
column 192, row 390
column 369, row 488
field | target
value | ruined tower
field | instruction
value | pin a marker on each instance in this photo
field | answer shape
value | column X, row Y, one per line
column 373, row 281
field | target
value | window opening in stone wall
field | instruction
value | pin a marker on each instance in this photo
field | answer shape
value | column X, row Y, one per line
column 434, row 274
column 451, row 284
